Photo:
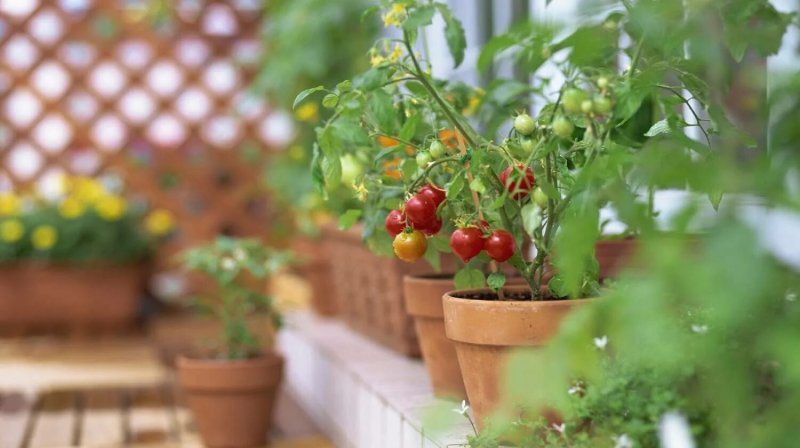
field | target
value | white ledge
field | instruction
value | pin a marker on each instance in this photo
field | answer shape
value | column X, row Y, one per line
column 361, row 394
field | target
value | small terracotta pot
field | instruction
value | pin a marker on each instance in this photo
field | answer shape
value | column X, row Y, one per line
column 232, row 401
column 423, row 297
column 614, row 255
column 485, row 331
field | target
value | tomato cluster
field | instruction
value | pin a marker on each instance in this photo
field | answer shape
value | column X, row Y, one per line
column 519, row 180
column 468, row 242
column 418, row 219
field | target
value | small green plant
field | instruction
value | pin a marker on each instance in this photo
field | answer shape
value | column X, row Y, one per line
column 239, row 267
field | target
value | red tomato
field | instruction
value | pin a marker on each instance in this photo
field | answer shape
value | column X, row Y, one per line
column 410, row 246
column 467, row 242
column 500, row 245
column 420, row 211
column 520, row 183
column 436, row 194
column 433, row 228
column 395, row 222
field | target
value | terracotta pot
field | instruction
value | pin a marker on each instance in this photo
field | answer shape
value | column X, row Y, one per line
column 485, row 331
column 71, row 295
column 423, row 297
column 315, row 267
column 614, row 255
column 371, row 289
column 232, row 401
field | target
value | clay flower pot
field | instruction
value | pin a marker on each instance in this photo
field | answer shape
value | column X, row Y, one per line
column 423, row 296
column 232, row 401
column 485, row 331
column 613, row 255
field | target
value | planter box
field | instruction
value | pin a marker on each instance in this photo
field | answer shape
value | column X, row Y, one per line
column 370, row 290
column 73, row 296
column 315, row 268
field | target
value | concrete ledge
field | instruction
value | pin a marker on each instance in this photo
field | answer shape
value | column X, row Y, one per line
column 359, row 393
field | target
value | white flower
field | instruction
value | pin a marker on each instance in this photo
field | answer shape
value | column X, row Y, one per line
column 673, row 431
column 560, row 428
column 700, row 329
column 576, row 388
column 601, row 342
column 791, row 296
column 239, row 254
column 463, row 409
column 623, row 441
column 228, row 263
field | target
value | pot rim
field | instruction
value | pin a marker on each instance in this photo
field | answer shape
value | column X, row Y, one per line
column 442, row 277
column 270, row 358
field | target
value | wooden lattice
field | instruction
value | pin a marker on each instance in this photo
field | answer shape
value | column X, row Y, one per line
column 92, row 87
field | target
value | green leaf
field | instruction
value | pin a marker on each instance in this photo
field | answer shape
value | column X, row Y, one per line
column 433, row 258
column 496, row 280
column 548, row 188
column 369, row 12
column 454, row 34
column 468, row 278
column 332, row 170
column 531, row 218
column 409, row 128
column 494, row 46
column 304, row 94
column 381, row 110
column 345, row 86
column 660, row 127
column 419, row 17
column 330, row 101
column 477, row 185
column 349, row 218
column 456, row 185
column 350, row 132
column 715, row 197
column 409, row 168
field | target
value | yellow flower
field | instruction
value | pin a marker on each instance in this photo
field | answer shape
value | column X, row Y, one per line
column 9, row 204
column 110, row 208
column 11, row 230
column 308, row 112
column 297, row 152
column 44, row 237
column 395, row 55
column 159, row 222
column 474, row 101
column 361, row 192
column 87, row 189
column 376, row 59
column 395, row 16
column 71, row 208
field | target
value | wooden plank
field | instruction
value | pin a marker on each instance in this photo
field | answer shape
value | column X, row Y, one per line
column 103, row 419
column 15, row 415
column 55, row 421
column 150, row 421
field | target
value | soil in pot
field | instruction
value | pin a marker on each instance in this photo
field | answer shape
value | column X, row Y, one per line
column 484, row 330
column 232, row 400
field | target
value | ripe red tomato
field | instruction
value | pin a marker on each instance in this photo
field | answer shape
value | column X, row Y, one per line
column 433, row 228
column 410, row 246
column 395, row 222
column 420, row 211
column 500, row 245
column 436, row 194
column 520, row 183
column 467, row 242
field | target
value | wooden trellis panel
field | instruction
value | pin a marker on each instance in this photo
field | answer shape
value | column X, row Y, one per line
column 96, row 87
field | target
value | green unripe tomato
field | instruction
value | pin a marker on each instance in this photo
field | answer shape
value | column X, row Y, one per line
column 437, row 149
column 423, row 159
column 602, row 83
column 572, row 99
column 527, row 145
column 562, row 127
column 587, row 106
column 540, row 198
column 601, row 105
column 351, row 169
column 524, row 124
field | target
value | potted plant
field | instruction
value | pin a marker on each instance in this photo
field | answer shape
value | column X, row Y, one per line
column 232, row 389
column 295, row 58
column 75, row 257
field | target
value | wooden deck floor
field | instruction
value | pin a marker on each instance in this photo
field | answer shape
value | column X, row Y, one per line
column 106, row 394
